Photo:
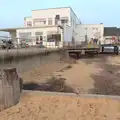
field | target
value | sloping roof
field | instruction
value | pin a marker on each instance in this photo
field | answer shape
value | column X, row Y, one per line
column 110, row 31
column 118, row 30
column 14, row 29
column 8, row 29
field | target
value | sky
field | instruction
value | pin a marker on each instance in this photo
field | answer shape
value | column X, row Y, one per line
column 12, row 12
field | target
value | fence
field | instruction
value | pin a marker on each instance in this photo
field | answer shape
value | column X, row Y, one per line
column 9, row 88
column 79, row 44
column 27, row 42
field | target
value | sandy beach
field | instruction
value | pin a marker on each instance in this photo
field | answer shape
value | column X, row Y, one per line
column 98, row 75
column 45, row 107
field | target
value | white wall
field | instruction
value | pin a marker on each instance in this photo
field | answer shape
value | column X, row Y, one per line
column 33, row 36
column 27, row 19
column 51, row 13
column 93, row 30
column 73, row 22
column 68, row 32
column 108, row 39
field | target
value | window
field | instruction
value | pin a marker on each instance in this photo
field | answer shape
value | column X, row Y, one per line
column 25, row 37
column 29, row 23
column 64, row 21
column 44, row 38
column 39, row 33
column 50, row 39
column 93, row 28
column 49, row 21
column 53, row 37
column 41, row 21
column 24, row 34
column 39, row 39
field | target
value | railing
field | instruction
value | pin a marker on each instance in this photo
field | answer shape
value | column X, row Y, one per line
column 29, row 42
column 79, row 44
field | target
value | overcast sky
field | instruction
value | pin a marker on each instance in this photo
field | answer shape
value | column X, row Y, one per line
column 12, row 12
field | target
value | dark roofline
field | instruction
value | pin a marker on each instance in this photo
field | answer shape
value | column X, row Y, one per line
column 58, row 8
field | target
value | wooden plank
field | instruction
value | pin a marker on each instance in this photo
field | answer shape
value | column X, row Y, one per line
column 16, row 87
column 8, row 96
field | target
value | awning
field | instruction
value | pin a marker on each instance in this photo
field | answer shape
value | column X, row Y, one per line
column 8, row 29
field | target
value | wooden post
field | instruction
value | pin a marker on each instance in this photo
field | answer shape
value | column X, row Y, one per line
column 11, row 87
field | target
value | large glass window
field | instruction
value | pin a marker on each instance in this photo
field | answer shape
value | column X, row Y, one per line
column 53, row 37
column 25, row 37
column 24, row 34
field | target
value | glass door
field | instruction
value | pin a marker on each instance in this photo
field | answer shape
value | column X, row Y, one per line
column 39, row 39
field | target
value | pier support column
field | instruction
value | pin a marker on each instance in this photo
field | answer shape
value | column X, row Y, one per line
column 13, row 36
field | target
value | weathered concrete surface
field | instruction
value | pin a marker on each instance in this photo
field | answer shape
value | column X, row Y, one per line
column 69, row 94
column 4, row 54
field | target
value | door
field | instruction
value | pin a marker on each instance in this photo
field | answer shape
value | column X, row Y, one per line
column 39, row 39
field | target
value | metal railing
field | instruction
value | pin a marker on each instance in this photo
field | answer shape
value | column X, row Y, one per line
column 79, row 44
column 28, row 42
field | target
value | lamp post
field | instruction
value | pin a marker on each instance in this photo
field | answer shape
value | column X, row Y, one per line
column 86, row 36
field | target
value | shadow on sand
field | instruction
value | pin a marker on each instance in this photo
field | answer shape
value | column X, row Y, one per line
column 53, row 85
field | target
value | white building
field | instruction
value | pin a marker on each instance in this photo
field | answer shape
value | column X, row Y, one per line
column 44, row 23
column 51, row 27
column 90, row 31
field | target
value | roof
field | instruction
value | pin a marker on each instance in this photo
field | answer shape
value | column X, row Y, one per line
column 8, row 29
column 91, row 24
column 110, row 31
column 51, row 8
column 59, row 8
column 14, row 29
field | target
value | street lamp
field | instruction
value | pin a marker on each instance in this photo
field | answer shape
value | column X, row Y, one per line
column 86, row 36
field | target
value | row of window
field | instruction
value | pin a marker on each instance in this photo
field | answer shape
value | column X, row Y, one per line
column 40, row 22
column 44, row 22
column 91, row 28
column 40, row 37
